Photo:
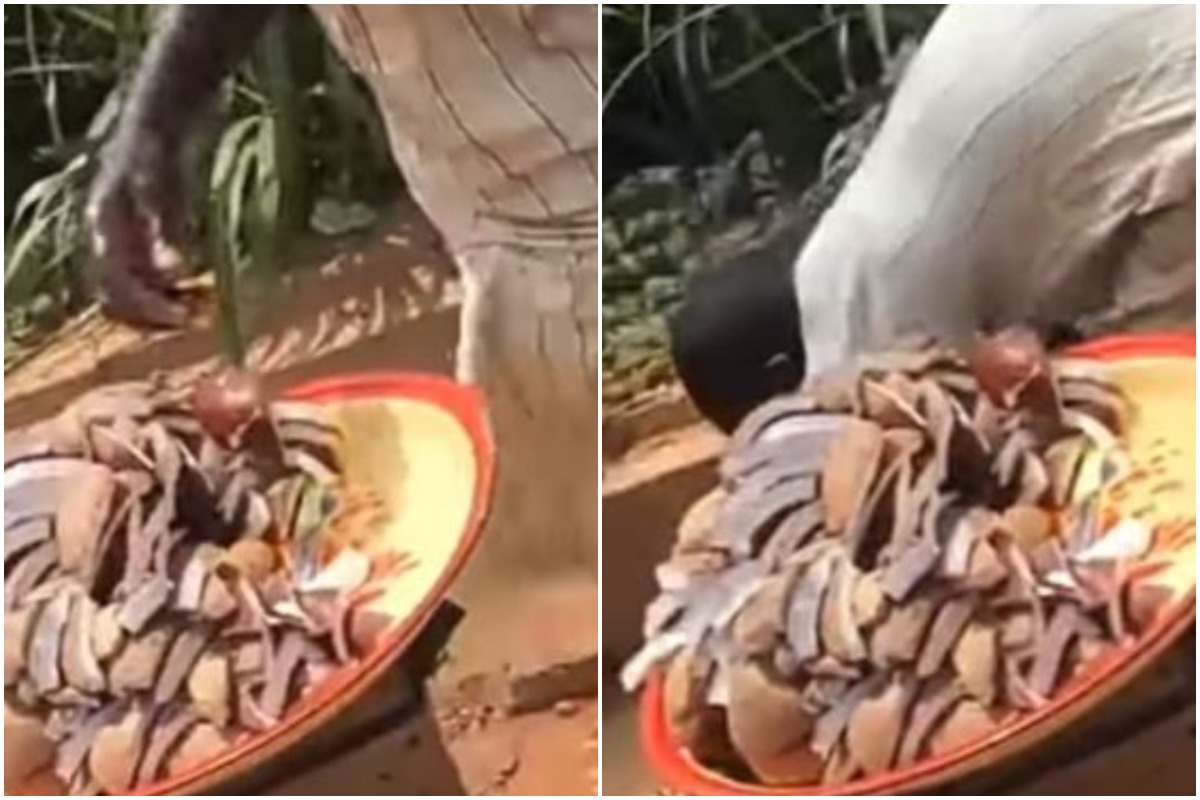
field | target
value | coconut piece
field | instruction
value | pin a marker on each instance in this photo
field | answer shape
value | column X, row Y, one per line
column 976, row 660
column 1051, row 652
column 107, row 635
column 73, row 752
column 915, row 563
column 37, row 488
column 891, row 402
column 898, row 639
column 136, row 667
column 1018, row 630
column 796, row 531
column 18, row 632
column 963, row 532
column 257, row 519
column 829, row 727
column 912, row 500
column 118, row 445
column 209, row 687
column 190, row 592
column 81, row 668
column 948, row 625
column 250, row 713
column 821, row 693
column 967, row 722
column 281, row 674
column 850, row 467
column 116, row 751
column 26, row 749
column 29, row 571
column 759, row 626
column 801, row 442
column 774, row 410
column 249, row 658
column 219, row 601
column 45, row 646
column 870, row 603
column 80, row 518
column 1011, row 457
column 181, row 659
column 1017, row 691
column 1047, row 558
column 55, row 437
column 234, row 498
column 985, row 570
column 756, row 509
column 839, row 767
column 25, row 535
column 871, row 528
column 144, row 603
column 769, row 727
column 839, row 633
column 933, row 704
column 143, row 536
column 803, row 619
column 877, row 722
column 201, row 744
column 695, row 725
column 168, row 732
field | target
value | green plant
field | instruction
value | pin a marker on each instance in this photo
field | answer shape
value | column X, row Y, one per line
column 293, row 124
column 715, row 115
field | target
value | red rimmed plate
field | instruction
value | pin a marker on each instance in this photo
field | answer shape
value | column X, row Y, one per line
column 423, row 446
column 1158, row 373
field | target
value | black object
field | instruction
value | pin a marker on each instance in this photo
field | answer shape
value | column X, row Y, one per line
column 735, row 339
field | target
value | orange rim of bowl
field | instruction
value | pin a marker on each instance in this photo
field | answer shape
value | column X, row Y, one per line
column 465, row 404
column 679, row 772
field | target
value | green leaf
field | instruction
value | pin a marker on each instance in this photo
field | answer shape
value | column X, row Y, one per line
column 228, row 149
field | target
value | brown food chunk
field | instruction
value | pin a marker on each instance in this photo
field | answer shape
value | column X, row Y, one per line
column 80, row 519
column 27, row 750
column 115, row 753
column 853, row 460
column 877, row 722
column 81, row 667
column 967, row 722
column 769, row 727
column 210, row 688
column 976, row 660
column 136, row 667
column 202, row 743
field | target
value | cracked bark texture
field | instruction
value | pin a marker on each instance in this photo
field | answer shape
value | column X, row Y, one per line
column 492, row 116
column 1037, row 165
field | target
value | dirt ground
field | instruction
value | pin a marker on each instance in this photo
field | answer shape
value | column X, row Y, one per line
column 386, row 299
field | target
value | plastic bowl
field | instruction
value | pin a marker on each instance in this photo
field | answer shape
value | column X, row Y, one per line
column 1158, row 372
column 423, row 446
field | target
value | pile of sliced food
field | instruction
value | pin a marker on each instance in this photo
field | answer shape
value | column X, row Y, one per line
column 901, row 558
column 180, row 568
